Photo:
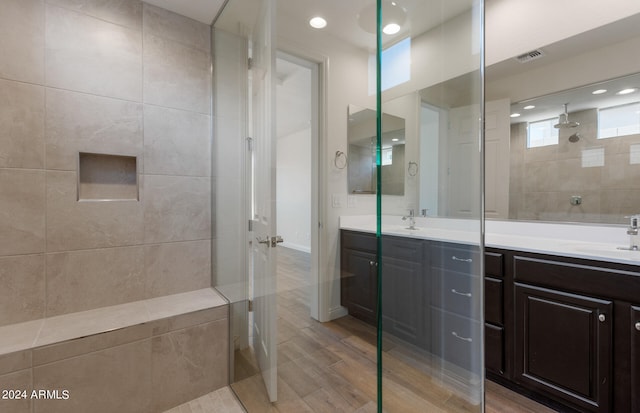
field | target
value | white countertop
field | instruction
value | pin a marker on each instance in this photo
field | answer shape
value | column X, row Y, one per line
column 595, row 242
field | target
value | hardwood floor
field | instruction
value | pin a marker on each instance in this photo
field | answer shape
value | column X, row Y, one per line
column 331, row 367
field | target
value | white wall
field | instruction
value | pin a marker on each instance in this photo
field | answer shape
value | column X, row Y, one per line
column 293, row 185
column 514, row 27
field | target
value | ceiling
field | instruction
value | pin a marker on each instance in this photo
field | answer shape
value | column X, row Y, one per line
column 347, row 20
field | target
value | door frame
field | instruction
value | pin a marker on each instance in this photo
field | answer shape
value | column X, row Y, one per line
column 319, row 281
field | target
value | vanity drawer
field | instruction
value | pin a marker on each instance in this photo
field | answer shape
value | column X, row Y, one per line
column 455, row 339
column 359, row 241
column 455, row 257
column 494, row 264
column 405, row 249
column 455, row 292
column 493, row 300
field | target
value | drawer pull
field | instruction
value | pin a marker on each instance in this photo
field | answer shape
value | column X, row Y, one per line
column 453, row 290
column 467, row 339
column 638, row 326
column 453, row 257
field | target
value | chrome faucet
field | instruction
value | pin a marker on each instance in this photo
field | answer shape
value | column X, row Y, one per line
column 632, row 231
column 412, row 219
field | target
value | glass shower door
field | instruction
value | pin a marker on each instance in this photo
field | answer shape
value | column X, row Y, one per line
column 430, row 183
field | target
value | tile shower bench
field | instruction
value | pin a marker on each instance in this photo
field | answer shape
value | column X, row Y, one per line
column 143, row 356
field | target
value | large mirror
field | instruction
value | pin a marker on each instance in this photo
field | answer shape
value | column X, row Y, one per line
column 573, row 163
column 361, row 137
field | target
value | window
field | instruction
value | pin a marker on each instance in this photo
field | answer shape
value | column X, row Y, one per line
column 542, row 133
column 619, row 121
column 387, row 156
column 395, row 66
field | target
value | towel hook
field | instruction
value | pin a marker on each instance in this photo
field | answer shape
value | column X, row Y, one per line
column 340, row 161
column 412, row 169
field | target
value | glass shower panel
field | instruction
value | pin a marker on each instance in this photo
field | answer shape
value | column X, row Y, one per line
column 431, row 260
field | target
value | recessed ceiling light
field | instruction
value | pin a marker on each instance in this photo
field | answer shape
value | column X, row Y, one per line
column 626, row 91
column 529, row 107
column 515, row 115
column 317, row 22
column 599, row 91
column 391, row 28
column 395, row 140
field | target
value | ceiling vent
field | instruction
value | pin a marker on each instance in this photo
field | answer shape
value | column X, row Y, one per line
column 529, row 56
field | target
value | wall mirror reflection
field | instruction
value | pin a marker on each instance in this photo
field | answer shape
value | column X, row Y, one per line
column 361, row 133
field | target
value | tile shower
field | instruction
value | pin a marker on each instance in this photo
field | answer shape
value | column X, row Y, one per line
column 105, row 199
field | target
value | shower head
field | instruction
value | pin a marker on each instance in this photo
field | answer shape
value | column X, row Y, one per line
column 564, row 122
column 574, row 138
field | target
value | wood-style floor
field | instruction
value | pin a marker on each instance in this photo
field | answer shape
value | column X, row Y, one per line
column 331, row 367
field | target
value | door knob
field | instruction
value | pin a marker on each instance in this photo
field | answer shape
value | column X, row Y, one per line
column 266, row 240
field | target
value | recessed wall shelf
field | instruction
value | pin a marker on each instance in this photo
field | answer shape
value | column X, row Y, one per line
column 104, row 177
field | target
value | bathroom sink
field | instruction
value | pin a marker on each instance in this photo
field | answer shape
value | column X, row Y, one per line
column 603, row 250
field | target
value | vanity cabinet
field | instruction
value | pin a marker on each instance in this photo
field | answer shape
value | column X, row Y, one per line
column 404, row 308
column 359, row 275
column 569, row 337
column 455, row 304
column 405, row 314
column 634, row 327
column 563, row 345
column 494, row 315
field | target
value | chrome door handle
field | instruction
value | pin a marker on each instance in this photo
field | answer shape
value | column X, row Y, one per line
column 276, row 240
column 266, row 240
column 453, row 257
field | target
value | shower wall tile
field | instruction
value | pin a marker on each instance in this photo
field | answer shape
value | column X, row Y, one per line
column 73, row 225
column 176, row 208
column 17, row 380
column 22, row 40
column 123, row 12
column 78, row 122
column 105, row 276
column 86, row 54
column 122, row 384
column 177, row 267
column 22, row 211
column 23, row 286
column 175, row 75
column 186, row 364
column 172, row 26
column 21, row 125
column 176, row 142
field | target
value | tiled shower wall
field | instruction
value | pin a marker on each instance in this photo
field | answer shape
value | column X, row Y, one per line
column 604, row 172
column 109, row 77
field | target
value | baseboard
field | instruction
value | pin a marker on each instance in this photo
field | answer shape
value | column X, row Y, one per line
column 296, row 247
column 337, row 312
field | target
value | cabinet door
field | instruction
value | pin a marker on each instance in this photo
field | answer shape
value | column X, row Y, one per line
column 403, row 306
column 563, row 346
column 635, row 359
column 359, row 284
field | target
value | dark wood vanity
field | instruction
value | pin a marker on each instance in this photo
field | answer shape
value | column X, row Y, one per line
column 564, row 331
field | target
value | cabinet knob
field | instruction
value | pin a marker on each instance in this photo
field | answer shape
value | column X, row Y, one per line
column 373, row 263
column 602, row 318
column 638, row 326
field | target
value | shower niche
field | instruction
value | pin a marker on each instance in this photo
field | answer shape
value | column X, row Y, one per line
column 105, row 177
